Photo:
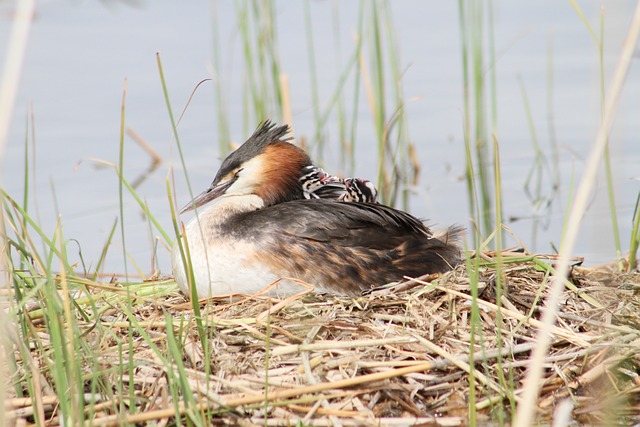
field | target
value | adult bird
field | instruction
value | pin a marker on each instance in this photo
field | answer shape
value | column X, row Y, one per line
column 263, row 228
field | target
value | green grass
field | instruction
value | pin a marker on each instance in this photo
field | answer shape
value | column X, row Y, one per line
column 635, row 237
column 476, row 126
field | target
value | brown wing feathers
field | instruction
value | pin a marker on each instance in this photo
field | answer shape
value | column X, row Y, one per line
column 349, row 245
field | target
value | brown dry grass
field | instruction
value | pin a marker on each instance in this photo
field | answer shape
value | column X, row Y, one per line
column 400, row 355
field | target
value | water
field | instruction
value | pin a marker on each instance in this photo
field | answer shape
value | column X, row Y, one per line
column 80, row 54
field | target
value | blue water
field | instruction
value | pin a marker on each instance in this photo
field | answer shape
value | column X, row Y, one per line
column 80, row 54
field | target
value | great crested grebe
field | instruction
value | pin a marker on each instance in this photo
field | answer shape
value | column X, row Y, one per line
column 270, row 225
column 317, row 184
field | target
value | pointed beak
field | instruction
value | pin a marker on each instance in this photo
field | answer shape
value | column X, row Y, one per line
column 213, row 192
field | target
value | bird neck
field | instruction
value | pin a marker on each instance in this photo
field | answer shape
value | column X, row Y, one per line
column 281, row 167
column 228, row 206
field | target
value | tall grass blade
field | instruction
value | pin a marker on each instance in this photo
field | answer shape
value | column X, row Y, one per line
column 474, row 96
column 500, row 285
column 341, row 113
column 334, row 99
column 635, row 237
column 313, row 75
column 262, row 78
column 119, row 170
column 174, row 127
column 473, row 269
column 27, row 247
column 176, row 353
column 183, row 247
column 466, row 121
column 378, row 99
column 221, row 101
column 402, row 169
column 356, row 85
column 599, row 41
column 608, row 172
column 25, row 197
column 14, row 57
column 185, row 255
column 539, row 170
column 481, row 145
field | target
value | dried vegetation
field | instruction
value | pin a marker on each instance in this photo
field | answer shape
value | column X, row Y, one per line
column 408, row 354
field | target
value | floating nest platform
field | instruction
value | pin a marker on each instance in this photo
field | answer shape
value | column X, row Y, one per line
column 424, row 352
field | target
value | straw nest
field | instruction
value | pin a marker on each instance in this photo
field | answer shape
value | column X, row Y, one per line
column 406, row 354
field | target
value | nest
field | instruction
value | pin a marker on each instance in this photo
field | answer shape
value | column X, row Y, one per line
column 428, row 351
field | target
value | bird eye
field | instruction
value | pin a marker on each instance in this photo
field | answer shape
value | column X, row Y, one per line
column 235, row 175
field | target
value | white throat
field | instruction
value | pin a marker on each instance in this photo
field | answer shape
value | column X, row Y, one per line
column 228, row 205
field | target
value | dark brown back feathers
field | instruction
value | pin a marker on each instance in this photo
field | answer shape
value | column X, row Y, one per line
column 345, row 247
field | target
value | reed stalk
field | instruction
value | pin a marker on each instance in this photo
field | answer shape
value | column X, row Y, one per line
column 478, row 170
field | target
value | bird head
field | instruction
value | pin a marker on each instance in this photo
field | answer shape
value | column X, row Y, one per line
column 266, row 165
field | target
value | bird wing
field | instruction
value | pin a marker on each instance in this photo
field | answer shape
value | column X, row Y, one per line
column 343, row 247
column 373, row 226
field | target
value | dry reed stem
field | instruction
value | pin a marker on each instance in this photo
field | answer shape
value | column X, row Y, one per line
column 156, row 159
column 568, row 334
column 15, row 52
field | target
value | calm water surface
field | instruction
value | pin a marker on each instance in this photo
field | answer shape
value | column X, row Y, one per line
column 80, row 54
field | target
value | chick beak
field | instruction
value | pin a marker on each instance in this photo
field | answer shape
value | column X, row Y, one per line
column 213, row 192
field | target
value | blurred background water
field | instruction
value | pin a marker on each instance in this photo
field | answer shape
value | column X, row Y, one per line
column 80, row 54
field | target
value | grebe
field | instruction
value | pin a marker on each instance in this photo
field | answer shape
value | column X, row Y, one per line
column 267, row 227
column 359, row 190
column 317, row 184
